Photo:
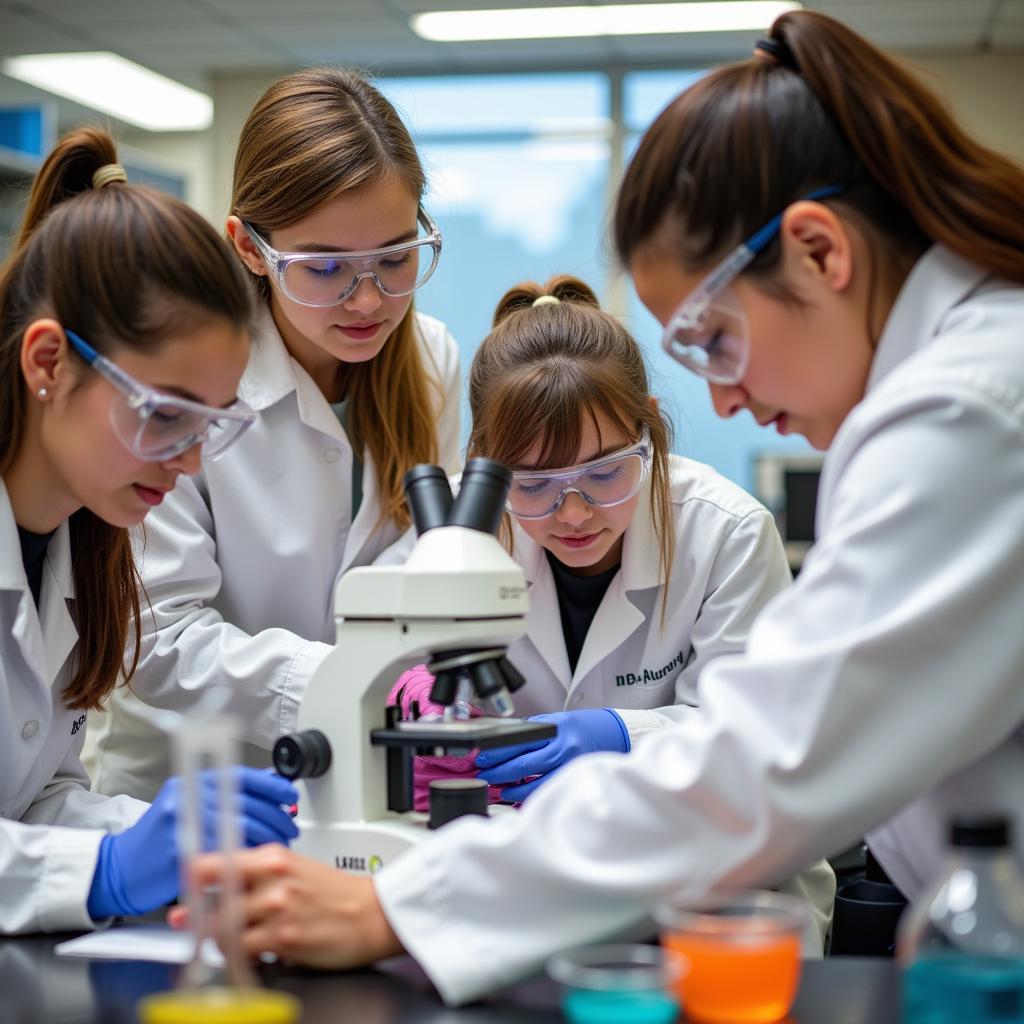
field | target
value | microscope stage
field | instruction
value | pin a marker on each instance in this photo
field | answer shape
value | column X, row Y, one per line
column 481, row 733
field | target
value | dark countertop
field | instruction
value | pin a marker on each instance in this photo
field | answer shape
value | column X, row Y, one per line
column 37, row 987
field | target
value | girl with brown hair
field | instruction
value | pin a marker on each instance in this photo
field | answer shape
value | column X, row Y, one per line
column 123, row 334
column 351, row 387
column 833, row 253
column 642, row 565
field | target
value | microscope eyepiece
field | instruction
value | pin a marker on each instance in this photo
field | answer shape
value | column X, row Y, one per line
column 482, row 495
column 429, row 497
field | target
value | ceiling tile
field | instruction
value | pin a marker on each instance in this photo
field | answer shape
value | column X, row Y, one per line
column 197, row 45
column 325, row 10
column 25, row 34
column 97, row 14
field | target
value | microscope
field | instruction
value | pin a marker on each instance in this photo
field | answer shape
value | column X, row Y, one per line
column 457, row 603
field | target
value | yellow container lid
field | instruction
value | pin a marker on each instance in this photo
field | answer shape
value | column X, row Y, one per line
column 219, row 1006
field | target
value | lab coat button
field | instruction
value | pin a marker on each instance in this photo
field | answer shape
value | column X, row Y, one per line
column 29, row 729
column 332, row 454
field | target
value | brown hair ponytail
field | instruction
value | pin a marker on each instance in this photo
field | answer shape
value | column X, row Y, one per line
column 124, row 266
column 545, row 368
column 959, row 192
column 841, row 112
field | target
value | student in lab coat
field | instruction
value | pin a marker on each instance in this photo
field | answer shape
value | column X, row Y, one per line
column 642, row 565
column 884, row 321
column 664, row 564
column 123, row 334
column 351, row 387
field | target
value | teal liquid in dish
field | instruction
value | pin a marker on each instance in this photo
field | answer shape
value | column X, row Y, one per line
column 619, row 1006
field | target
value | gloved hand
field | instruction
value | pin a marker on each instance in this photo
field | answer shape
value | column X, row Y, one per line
column 579, row 732
column 415, row 685
column 137, row 869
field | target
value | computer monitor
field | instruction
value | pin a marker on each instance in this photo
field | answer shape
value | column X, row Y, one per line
column 788, row 485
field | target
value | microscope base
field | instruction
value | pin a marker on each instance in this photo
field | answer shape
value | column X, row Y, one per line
column 360, row 847
column 364, row 847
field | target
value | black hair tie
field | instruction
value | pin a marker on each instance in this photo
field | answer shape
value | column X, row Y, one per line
column 778, row 50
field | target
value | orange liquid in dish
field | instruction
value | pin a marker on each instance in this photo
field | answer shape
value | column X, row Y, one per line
column 737, row 982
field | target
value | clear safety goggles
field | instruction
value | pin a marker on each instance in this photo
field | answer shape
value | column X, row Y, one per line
column 328, row 278
column 155, row 426
column 603, row 482
column 709, row 333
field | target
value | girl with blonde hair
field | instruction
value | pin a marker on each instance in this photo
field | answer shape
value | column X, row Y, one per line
column 351, row 387
column 642, row 566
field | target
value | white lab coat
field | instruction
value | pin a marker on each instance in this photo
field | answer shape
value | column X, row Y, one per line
column 884, row 686
column 50, row 824
column 729, row 563
column 241, row 562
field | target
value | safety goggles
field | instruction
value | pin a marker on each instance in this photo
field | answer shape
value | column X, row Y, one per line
column 155, row 426
column 709, row 333
column 603, row 482
column 327, row 278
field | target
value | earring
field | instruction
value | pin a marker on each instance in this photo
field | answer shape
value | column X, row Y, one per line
column 42, row 392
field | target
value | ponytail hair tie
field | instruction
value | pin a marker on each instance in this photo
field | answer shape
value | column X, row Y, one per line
column 776, row 50
column 543, row 300
column 108, row 173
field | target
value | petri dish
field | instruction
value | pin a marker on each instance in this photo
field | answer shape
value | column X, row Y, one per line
column 618, row 984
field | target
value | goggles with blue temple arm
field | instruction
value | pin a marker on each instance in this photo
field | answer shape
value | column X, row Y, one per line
column 155, row 426
column 709, row 333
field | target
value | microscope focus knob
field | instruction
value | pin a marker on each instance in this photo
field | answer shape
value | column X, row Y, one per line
column 302, row 755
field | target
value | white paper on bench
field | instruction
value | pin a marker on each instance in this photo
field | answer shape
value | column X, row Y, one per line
column 157, row 942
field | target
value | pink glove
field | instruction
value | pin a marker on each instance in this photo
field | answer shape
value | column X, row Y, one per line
column 415, row 685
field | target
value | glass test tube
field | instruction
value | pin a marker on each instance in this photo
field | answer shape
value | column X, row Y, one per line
column 205, row 755
column 206, row 751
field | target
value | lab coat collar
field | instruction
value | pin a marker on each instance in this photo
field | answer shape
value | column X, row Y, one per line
column 48, row 637
column 641, row 551
column 269, row 375
column 617, row 617
column 938, row 281
column 272, row 374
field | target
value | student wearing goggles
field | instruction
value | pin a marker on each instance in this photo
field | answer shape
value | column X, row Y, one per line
column 81, row 464
column 352, row 385
column 318, row 278
column 155, row 426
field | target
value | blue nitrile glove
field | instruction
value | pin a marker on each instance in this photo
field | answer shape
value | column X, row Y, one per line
column 579, row 732
column 137, row 870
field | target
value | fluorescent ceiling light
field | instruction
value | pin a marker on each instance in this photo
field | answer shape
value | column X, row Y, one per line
column 604, row 20
column 119, row 87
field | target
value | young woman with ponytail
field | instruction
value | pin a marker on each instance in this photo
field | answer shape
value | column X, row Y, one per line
column 352, row 386
column 834, row 254
column 123, row 334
